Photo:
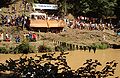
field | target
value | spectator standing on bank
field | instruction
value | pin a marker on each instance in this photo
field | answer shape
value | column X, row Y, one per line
column 1, row 36
column 17, row 39
column 24, row 21
column 7, row 37
column 24, row 36
column 27, row 36
column 30, row 36
column 8, row 21
column 34, row 37
column 2, row 22
column 17, row 22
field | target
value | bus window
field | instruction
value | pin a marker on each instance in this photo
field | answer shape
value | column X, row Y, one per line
column 36, row 17
column 32, row 17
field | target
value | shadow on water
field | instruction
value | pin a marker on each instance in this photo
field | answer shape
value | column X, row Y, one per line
column 115, row 46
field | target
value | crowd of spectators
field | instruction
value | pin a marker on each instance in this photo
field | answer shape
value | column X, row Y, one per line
column 5, row 37
column 82, row 23
column 88, row 24
column 13, row 20
column 14, row 15
column 31, row 37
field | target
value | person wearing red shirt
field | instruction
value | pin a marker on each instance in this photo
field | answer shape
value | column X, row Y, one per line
column 34, row 37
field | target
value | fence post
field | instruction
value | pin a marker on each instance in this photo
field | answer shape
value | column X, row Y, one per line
column 81, row 47
column 70, row 46
column 77, row 47
column 58, row 43
column 53, row 41
column 64, row 44
column 73, row 47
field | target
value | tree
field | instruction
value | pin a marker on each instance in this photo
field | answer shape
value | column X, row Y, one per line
column 92, row 8
column 82, row 7
column 117, row 9
column 5, row 3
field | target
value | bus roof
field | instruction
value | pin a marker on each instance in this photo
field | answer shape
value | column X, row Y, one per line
column 38, row 14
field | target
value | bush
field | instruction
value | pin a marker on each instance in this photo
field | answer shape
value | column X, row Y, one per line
column 58, row 48
column 23, row 48
column 100, row 45
column 62, row 47
column 6, row 51
column 3, row 50
column 43, row 48
column 103, row 46
column 11, row 50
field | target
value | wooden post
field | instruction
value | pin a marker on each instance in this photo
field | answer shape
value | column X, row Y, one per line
column 77, row 47
column 81, row 47
column 39, row 35
column 64, row 44
column 73, row 47
column 70, row 46
column 60, row 43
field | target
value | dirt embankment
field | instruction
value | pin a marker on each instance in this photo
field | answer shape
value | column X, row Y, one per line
column 72, row 36
column 84, row 37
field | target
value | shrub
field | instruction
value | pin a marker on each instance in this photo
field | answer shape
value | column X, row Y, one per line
column 58, row 48
column 103, row 46
column 61, row 47
column 23, row 48
column 43, row 48
column 11, row 50
column 100, row 45
column 3, row 50
column 6, row 50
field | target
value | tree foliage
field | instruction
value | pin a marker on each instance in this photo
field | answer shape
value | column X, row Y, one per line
column 99, row 7
column 5, row 3
column 94, row 8
column 117, row 9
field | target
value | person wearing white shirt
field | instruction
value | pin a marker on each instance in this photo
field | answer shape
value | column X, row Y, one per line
column 1, row 36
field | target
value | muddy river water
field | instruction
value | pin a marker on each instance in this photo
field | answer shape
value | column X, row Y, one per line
column 76, row 59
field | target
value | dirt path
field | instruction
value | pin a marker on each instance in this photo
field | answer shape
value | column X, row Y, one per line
column 77, row 58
